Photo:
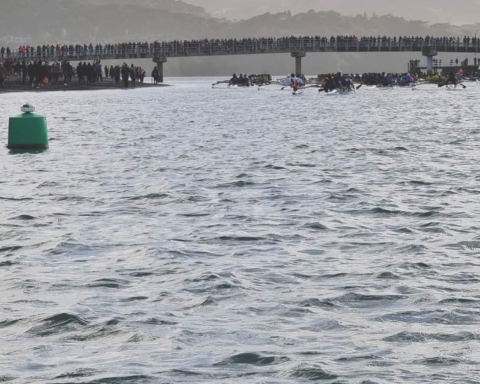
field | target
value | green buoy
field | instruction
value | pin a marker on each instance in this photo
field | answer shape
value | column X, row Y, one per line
column 28, row 130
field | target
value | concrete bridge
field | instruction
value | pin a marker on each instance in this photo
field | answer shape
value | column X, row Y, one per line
column 297, row 47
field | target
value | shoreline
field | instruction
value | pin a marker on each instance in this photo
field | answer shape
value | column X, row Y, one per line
column 14, row 87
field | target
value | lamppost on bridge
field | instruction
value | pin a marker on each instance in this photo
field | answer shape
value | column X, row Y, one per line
column 476, row 44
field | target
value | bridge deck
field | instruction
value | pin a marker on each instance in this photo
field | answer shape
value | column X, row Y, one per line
column 187, row 49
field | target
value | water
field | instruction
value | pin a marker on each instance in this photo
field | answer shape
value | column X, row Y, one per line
column 191, row 235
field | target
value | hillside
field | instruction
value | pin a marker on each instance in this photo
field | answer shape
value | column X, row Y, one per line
column 174, row 6
column 435, row 11
column 72, row 21
column 68, row 21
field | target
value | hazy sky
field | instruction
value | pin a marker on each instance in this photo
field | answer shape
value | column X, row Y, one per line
column 438, row 11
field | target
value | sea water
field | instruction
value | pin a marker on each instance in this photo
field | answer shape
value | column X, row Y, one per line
column 195, row 235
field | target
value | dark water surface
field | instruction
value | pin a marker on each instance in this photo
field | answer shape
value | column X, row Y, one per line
column 190, row 235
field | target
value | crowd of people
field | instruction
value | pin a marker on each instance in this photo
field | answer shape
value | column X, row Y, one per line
column 211, row 46
column 344, row 81
column 375, row 78
column 38, row 73
column 47, row 64
column 249, row 80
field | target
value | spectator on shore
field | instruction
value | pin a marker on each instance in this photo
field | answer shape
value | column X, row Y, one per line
column 125, row 74
column 155, row 75
column 3, row 75
column 8, row 67
column 24, row 70
column 32, row 73
column 38, row 73
column 133, row 75
column 117, row 75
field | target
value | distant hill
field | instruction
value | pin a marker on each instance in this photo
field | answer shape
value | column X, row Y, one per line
column 436, row 11
column 34, row 21
column 174, row 6
column 104, row 21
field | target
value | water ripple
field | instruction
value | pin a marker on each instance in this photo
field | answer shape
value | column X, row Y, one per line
column 188, row 235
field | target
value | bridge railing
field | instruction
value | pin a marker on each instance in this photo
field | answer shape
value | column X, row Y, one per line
column 226, row 47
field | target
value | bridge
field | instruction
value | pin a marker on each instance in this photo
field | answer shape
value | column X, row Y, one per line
column 297, row 47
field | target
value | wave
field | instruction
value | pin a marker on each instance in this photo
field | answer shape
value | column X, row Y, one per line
column 150, row 196
column 444, row 317
column 417, row 337
column 109, row 283
column 253, row 359
column 60, row 323
column 311, row 372
column 24, row 217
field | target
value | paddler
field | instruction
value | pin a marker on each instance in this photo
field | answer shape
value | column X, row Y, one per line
column 233, row 80
column 330, row 84
column 341, row 81
column 451, row 79
column 297, row 83
column 288, row 81
column 241, row 81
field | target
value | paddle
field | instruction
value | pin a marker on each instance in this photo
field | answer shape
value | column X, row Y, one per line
column 443, row 85
column 220, row 82
column 360, row 86
column 351, row 86
column 414, row 85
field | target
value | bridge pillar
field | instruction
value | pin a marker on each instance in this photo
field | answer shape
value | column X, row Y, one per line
column 429, row 53
column 298, row 62
column 159, row 61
